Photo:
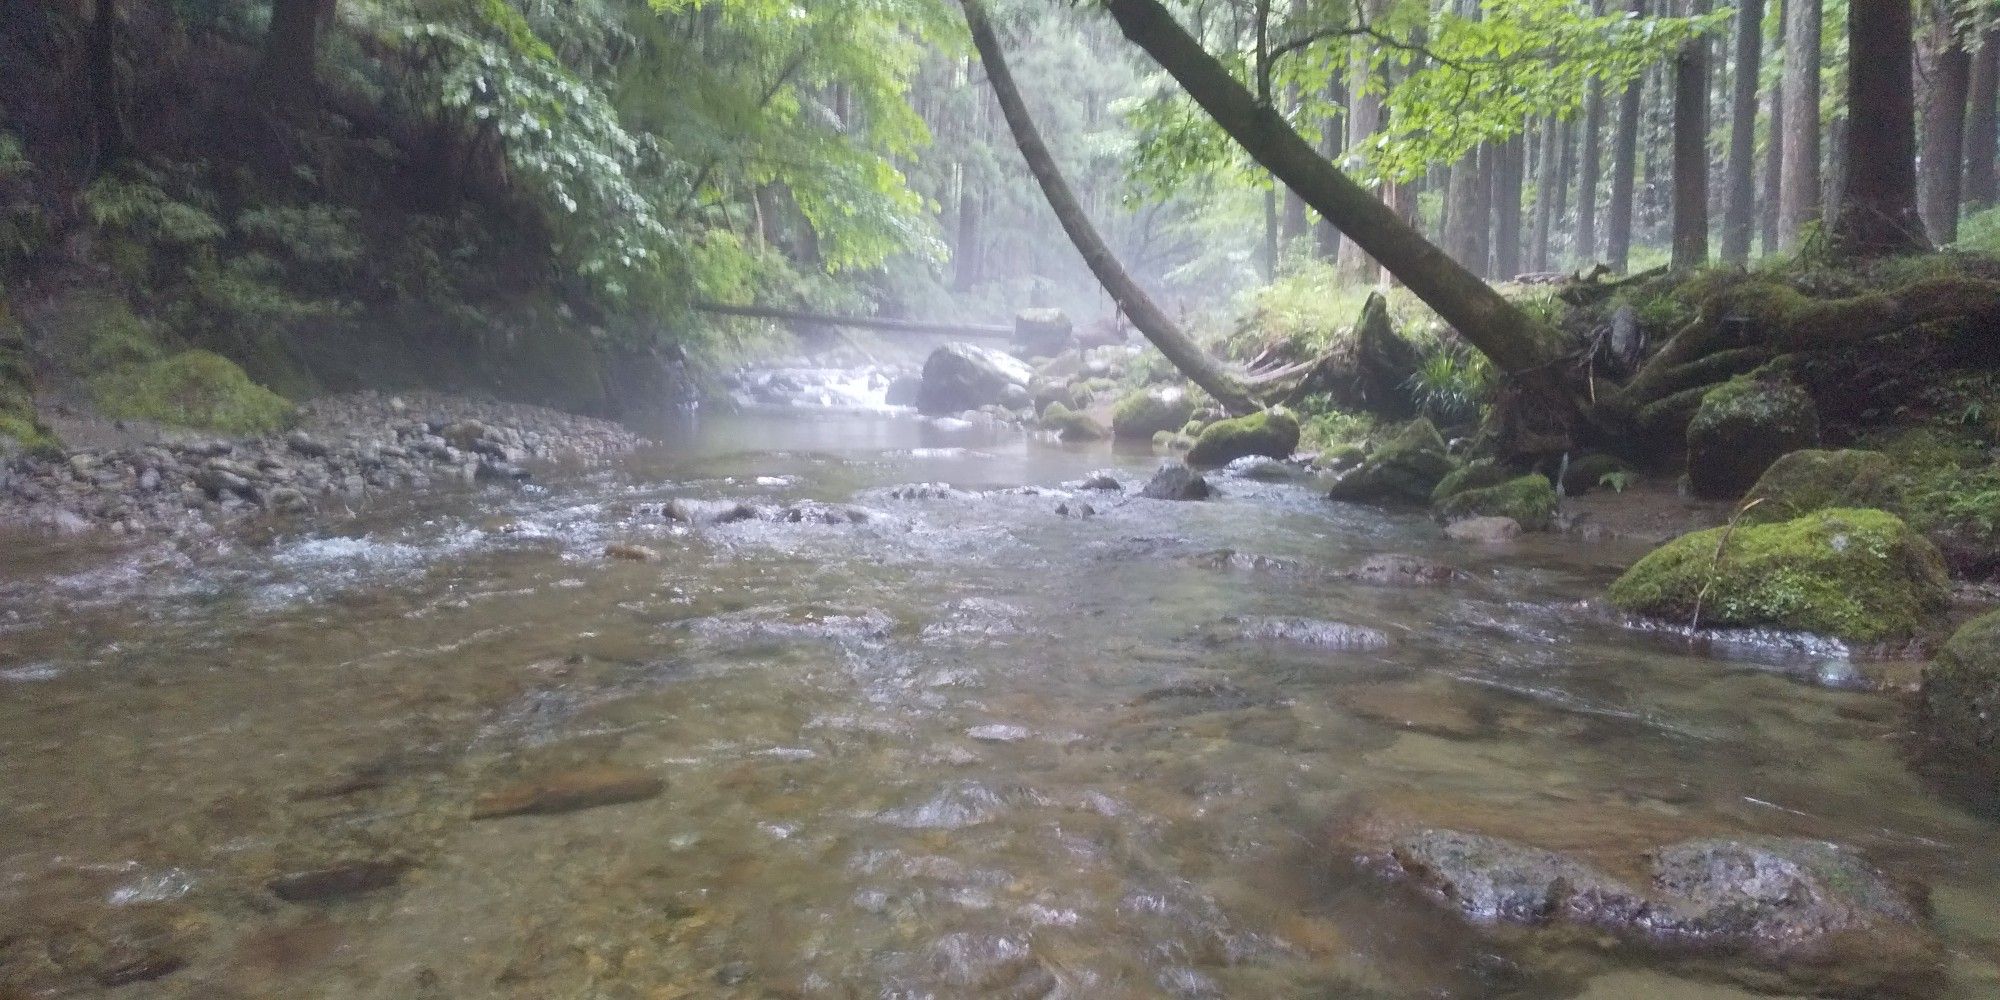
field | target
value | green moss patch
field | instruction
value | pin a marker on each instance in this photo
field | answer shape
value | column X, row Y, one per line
column 1861, row 576
column 1146, row 412
column 192, row 389
column 1272, row 433
column 1810, row 480
column 1742, row 427
column 1961, row 690
column 1071, row 425
column 1529, row 500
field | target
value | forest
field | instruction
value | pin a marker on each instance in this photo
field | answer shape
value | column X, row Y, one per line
column 1014, row 498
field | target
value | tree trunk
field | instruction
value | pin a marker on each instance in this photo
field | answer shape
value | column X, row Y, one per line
column 1940, row 185
column 1877, row 212
column 1132, row 300
column 1292, row 227
column 1799, row 185
column 1982, row 125
column 1738, row 218
column 1364, row 119
column 1548, row 180
column 1500, row 330
column 1559, row 211
column 1466, row 215
column 1507, row 185
column 1625, row 167
column 965, row 255
column 1590, row 164
column 1333, row 138
column 110, row 139
column 287, row 73
column 1690, row 234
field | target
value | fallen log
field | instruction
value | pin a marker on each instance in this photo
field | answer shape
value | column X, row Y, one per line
column 862, row 322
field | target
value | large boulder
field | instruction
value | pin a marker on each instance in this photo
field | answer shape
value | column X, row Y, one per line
column 1175, row 481
column 1528, row 500
column 1042, row 333
column 1810, row 480
column 1071, row 425
column 1272, row 433
column 1742, row 427
column 960, row 377
column 1405, row 470
column 1143, row 413
column 1384, row 362
column 1861, row 576
column 1961, row 693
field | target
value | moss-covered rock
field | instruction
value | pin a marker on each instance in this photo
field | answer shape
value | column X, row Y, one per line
column 1071, row 425
column 1743, row 426
column 1529, row 500
column 1405, row 469
column 1587, row 473
column 1961, row 692
column 19, row 430
column 192, row 389
column 1475, row 475
column 1146, row 412
column 1272, row 433
column 1861, row 576
column 1810, row 480
column 1169, row 441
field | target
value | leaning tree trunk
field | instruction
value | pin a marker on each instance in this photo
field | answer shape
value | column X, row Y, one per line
column 1625, row 167
column 1941, row 182
column 1496, row 327
column 1877, row 213
column 1799, row 186
column 1151, row 320
column 1738, row 218
column 1690, row 234
column 1982, row 125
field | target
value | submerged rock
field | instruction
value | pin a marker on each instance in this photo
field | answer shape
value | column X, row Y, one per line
column 338, row 881
column 1483, row 530
column 569, row 791
column 1175, row 481
column 1489, row 880
column 1272, row 433
column 1860, row 576
column 1393, row 569
column 1961, row 694
column 959, row 377
column 1313, row 632
column 1742, row 427
column 631, row 552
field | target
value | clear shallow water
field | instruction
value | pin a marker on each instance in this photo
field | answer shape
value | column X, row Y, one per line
column 971, row 748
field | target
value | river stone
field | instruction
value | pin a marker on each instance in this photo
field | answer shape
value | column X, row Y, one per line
column 1489, row 880
column 1860, row 576
column 569, row 791
column 1175, row 481
column 1394, row 569
column 1805, row 481
column 631, row 552
column 1142, row 413
column 1272, row 433
column 1530, row 501
column 1961, row 694
column 1484, row 530
column 1773, row 894
column 1742, row 428
column 338, row 881
column 1261, row 468
column 1405, row 470
column 1072, row 426
column 903, row 390
column 1313, row 632
column 959, row 377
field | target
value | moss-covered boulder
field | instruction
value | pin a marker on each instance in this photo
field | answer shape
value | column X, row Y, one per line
column 1742, row 427
column 1589, row 471
column 1146, row 412
column 1862, row 576
column 1169, row 441
column 1529, row 500
column 1404, row 470
column 1961, row 692
column 1071, row 425
column 1810, row 480
column 192, row 389
column 1476, row 475
column 1272, row 433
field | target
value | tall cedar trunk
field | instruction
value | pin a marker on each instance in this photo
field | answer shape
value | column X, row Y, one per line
column 1332, row 140
column 1271, row 237
column 1465, row 214
column 1364, row 119
column 1625, row 167
column 1940, row 185
column 1548, row 180
column 1690, row 209
column 1132, row 300
column 108, row 125
column 1982, row 124
column 1739, row 217
column 1559, row 211
column 1774, row 146
column 965, row 254
column 1495, row 326
column 1877, row 212
column 1293, row 225
column 1799, row 185
column 1508, row 181
column 286, row 75
column 1590, row 164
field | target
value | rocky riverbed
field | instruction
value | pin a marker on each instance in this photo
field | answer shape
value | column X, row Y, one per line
column 342, row 449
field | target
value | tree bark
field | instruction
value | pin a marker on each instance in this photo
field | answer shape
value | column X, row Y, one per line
column 110, row 139
column 1151, row 320
column 1690, row 208
column 1548, row 180
column 1738, row 219
column 1559, row 211
column 1500, row 330
column 1466, row 216
column 1982, row 125
column 1799, row 185
column 1625, row 167
column 1590, row 164
column 1364, row 119
column 287, row 74
column 1877, row 211
column 1333, row 139
column 1941, row 182
column 1507, row 184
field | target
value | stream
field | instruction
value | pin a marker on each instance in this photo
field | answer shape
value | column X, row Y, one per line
column 977, row 741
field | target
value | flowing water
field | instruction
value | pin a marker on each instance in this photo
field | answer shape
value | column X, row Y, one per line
column 975, row 746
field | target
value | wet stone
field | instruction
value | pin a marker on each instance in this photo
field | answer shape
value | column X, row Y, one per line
column 1175, row 481
column 1312, row 633
column 569, row 791
column 338, row 881
column 631, row 552
column 1395, row 570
